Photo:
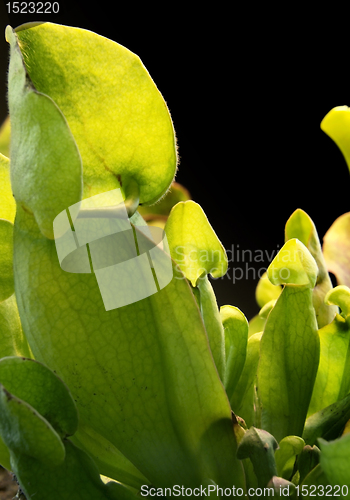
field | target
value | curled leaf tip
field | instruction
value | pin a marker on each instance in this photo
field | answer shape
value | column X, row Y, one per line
column 293, row 265
column 193, row 243
column 339, row 296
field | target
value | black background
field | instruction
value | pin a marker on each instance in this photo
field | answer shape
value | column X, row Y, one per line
column 247, row 89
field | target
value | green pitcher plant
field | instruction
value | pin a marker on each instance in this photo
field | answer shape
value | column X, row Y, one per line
column 120, row 377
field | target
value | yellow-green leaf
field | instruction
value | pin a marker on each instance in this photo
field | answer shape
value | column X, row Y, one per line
column 289, row 352
column 335, row 459
column 38, row 386
column 155, row 393
column 12, row 339
column 336, row 124
column 288, row 448
column 266, row 291
column 300, row 226
column 193, row 243
column 336, row 249
column 243, row 399
column 7, row 202
column 45, row 162
column 6, row 259
column 293, row 265
column 5, row 133
column 26, row 432
column 116, row 113
column 333, row 375
column 236, row 337
column 213, row 324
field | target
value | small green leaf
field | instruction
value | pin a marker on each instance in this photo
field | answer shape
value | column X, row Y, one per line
column 308, row 460
column 236, row 337
column 5, row 132
column 42, row 140
column 336, row 124
column 340, row 296
column 6, row 259
column 293, row 265
column 300, row 226
column 25, row 431
column 213, row 323
column 12, row 339
column 266, row 309
column 259, row 446
column 266, row 291
column 327, row 423
column 333, row 375
column 196, row 249
column 288, row 448
column 76, row 478
column 316, row 477
column 110, row 461
column 336, row 249
column 116, row 113
column 7, row 201
column 289, row 352
column 193, row 243
column 38, row 386
column 335, row 459
column 256, row 325
column 243, row 398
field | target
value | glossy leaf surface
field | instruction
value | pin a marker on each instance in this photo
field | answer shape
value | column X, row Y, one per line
column 236, row 337
column 213, row 324
column 336, row 124
column 7, row 205
column 5, row 133
column 193, row 243
column 333, row 376
column 300, row 226
column 38, row 386
column 116, row 113
column 25, row 431
column 41, row 138
column 197, row 250
column 288, row 448
column 243, row 398
column 289, row 352
column 110, row 461
column 155, row 393
column 266, row 291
